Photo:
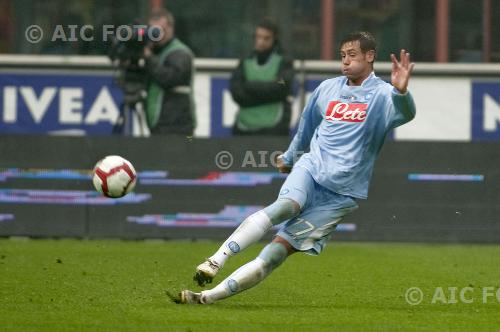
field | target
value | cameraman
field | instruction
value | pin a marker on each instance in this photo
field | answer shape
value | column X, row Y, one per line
column 169, row 68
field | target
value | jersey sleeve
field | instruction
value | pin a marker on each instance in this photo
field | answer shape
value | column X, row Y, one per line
column 401, row 109
column 309, row 121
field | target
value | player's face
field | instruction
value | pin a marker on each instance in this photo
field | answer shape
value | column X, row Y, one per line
column 356, row 65
column 264, row 39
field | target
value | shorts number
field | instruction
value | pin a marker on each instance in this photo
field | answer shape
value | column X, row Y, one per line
column 308, row 226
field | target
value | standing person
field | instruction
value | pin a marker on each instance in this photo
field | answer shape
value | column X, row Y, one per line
column 262, row 86
column 169, row 67
column 344, row 124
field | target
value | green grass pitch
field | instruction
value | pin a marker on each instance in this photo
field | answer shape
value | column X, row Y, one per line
column 72, row 285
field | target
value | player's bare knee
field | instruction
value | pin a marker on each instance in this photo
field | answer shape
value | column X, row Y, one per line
column 289, row 248
column 281, row 210
column 273, row 255
column 294, row 206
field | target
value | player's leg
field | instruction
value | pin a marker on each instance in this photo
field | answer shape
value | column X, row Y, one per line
column 255, row 226
column 247, row 276
column 251, row 230
column 292, row 198
column 252, row 273
column 308, row 232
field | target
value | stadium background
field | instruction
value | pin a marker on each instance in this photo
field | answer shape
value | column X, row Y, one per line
column 437, row 178
column 69, row 259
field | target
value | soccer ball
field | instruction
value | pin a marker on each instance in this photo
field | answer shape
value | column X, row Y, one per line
column 114, row 176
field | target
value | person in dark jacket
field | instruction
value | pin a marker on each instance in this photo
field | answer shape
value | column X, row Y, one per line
column 262, row 86
column 169, row 67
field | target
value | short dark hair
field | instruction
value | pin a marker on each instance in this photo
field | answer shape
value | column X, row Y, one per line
column 270, row 25
column 366, row 40
column 158, row 13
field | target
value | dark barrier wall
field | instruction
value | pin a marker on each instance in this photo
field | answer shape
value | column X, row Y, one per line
column 434, row 192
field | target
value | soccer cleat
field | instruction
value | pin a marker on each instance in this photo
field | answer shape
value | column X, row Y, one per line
column 186, row 297
column 205, row 272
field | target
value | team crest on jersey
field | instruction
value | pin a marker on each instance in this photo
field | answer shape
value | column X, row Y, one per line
column 347, row 112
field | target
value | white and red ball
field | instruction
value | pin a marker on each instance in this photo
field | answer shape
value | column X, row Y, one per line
column 114, row 176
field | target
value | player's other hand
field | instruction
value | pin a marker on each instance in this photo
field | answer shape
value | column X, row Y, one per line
column 401, row 71
column 280, row 164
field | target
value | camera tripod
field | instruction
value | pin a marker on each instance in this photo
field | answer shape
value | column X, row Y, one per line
column 132, row 107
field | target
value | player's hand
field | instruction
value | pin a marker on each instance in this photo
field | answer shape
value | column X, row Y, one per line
column 401, row 71
column 280, row 164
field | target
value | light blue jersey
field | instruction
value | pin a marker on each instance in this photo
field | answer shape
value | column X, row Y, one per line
column 344, row 127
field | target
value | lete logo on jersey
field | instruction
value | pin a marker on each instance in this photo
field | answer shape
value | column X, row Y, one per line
column 339, row 111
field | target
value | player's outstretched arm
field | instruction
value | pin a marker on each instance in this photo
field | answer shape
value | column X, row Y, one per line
column 403, row 109
column 309, row 120
column 401, row 71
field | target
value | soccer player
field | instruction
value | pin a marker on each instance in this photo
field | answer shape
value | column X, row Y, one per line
column 344, row 126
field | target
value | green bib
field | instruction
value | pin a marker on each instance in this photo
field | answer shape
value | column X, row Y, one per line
column 266, row 115
column 156, row 93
